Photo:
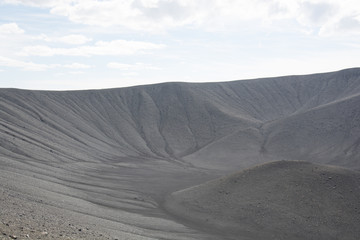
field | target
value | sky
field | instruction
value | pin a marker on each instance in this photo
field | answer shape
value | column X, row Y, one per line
column 93, row 44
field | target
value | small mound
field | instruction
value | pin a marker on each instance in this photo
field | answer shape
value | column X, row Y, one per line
column 278, row 200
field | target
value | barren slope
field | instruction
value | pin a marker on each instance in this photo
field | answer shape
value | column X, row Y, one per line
column 114, row 154
column 329, row 133
column 278, row 200
column 171, row 120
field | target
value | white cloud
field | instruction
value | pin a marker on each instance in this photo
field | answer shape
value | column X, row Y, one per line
column 161, row 15
column 316, row 14
column 30, row 66
column 99, row 13
column 10, row 28
column 130, row 74
column 73, row 39
column 121, row 66
column 38, row 3
column 100, row 48
column 43, row 37
column 77, row 72
column 77, row 66
column 132, row 67
column 349, row 25
column 155, row 15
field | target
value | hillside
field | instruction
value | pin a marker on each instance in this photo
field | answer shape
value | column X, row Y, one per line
column 179, row 120
column 278, row 200
column 114, row 154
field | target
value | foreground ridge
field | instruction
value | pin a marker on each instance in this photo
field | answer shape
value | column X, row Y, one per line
column 277, row 200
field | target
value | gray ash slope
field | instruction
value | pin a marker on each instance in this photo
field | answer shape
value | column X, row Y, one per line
column 277, row 200
column 185, row 121
column 108, row 152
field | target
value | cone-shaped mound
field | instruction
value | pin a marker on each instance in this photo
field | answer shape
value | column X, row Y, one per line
column 278, row 200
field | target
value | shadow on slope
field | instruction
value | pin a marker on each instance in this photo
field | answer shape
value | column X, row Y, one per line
column 327, row 134
column 178, row 121
column 277, row 200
